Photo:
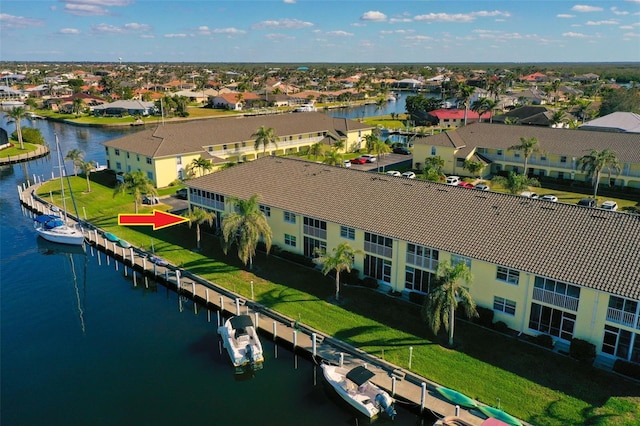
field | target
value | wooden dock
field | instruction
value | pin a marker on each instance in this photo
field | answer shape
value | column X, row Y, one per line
column 413, row 391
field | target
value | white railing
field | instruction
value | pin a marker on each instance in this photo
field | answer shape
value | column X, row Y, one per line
column 207, row 202
column 618, row 316
column 559, row 300
column 250, row 147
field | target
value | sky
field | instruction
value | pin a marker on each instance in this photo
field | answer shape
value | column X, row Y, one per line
column 308, row 31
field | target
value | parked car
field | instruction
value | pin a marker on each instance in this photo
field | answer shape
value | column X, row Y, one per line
column 182, row 193
column 587, row 202
column 529, row 194
column 549, row 198
column 370, row 158
column 609, row 205
column 358, row 160
column 394, row 173
column 346, row 163
column 401, row 150
column 465, row 184
column 150, row 200
column 453, row 180
column 409, row 175
column 482, row 187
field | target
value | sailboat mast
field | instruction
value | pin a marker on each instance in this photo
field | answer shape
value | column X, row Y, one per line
column 60, row 170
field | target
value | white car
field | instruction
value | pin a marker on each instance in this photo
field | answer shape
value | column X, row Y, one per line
column 609, row 205
column 346, row 163
column 453, row 180
column 394, row 173
column 482, row 187
column 529, row 194
column 409, row 175
column 370, row 158
column 549, row 198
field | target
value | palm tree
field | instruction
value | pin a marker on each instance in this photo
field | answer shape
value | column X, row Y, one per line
column 440, row 306
column 340, row 259
column 87, row 167
column 473, row 167
column 528, row 146
column 204, row 164
column 381, row 149
column 137, row 184
column 76, row 156
column 515, row 183
column 244, row 226
column 265, row 136
column 370, row 141
column 597, row 161
column 199, row 217
column 77, row 105
column 316, row 150
column 465, row 91
column 332, row 158
column 15, row 115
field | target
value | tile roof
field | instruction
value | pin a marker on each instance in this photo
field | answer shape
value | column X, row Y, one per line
column 569, row 142
column 584, row 246
column 191, row 137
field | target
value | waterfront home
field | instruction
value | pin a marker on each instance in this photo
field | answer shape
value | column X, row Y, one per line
column 165, row 151
column 120, row 108
column 542, row 268
column 559, row 151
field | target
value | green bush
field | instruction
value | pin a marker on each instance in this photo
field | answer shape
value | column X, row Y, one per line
column 418, row 298
column 500, row 327
column 297, row 258
column 627, row 368
column 582, row 350
column 544, row 340
column 485, row 317
column 370, row 282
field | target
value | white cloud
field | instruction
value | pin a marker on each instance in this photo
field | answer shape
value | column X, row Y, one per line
column 11, row 21
column 460, row 17
column 289, row 1
column 129, row 28
column 373, row 15
column 631, row 35
column 616, row 11
column 230, row 30
column 73, row 31
column 574, row 35
column 133, row 26
column 565, row 16
column 288, row 24
column 182, row 35
column 400, row 20
column 339, row 33
column 92, row 7
column 279, row 37
column 586, row 8
column 605, row 22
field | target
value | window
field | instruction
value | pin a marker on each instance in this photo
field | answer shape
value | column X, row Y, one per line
column 508, row 275
column 433, row 150
column 552, row 321
column 117, row 151
column 563, row 159
column 149, row 160
column 106, row 149
column 377, row 268
column 150, row 176
column 422, row 256
column 543, row 158
column 455, row 259
column 137, row 158
column 315, row 227
column 118, row 165
column 516, row 154
column 265, row 210
column 289, row 240
column 128, row 155
column 348, row 233
column 311, row 246
column 556, row 293
column 289, row 217
column 179, row 159
column 499, row 152
column 621, row 343
column 378, row 244
column 224, row 147
column 418, row 280
column 504, row 305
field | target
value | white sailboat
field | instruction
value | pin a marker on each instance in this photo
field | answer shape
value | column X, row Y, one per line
column 55, row 228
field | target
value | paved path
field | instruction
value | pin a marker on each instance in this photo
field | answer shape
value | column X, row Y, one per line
column 414, row 392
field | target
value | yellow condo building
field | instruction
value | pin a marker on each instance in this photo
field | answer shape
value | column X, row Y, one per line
column 543, row 268
column 164, row 152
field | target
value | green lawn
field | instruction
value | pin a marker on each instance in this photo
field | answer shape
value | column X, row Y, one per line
column 15, row 150
column 529, row 382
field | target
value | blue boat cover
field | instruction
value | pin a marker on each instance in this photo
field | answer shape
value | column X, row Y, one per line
column 49, row 221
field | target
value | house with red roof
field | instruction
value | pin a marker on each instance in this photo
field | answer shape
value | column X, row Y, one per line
column 453, row 118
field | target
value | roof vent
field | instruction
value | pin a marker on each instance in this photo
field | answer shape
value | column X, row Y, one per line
column 443, row 190
column 547, row 208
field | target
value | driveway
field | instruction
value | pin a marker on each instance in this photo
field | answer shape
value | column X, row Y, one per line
column 178, row 206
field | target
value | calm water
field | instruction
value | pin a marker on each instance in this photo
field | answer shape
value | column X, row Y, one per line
column 81, row 344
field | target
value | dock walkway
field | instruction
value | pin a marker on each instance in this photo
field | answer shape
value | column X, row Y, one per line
column 413, row 391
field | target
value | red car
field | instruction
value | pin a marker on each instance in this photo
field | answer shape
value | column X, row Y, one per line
column 466, row 185
column 359, row 160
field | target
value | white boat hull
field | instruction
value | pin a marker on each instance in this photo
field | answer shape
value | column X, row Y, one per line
column 61, row 234
column 242, row 343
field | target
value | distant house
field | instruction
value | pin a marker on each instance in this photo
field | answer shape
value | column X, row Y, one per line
column 9, row 94
column 536, row 77
column 120, row 108
column 407, row 83
column 625, row 122
column 452, row 118
column 530, row 115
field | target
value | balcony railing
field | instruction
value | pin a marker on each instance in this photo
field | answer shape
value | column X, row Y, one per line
column 559, row 300
column 315, row 232
column 630, row 319
column 378, row 249
column 233, row 150
column 207, row 202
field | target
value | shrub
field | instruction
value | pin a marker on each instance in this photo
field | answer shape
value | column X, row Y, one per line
column 627, row 368
column 544, row 340
column 370, row 282
column 485, row 317
column 418, row 298
column 297, row 258
column 500, row 327
column 582, row 350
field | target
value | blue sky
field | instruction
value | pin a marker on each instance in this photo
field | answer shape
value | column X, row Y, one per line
column 302, row 31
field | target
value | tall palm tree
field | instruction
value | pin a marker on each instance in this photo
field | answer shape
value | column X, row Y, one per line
column 265, row 136
column 316, row 150
column 86, row 167
column 515, row 183
column 137, row 184
column 203, row 164
column 440, row 306
column 75, row 155
column 595, row 162
column 15, row 115
column 200, row 217
column 244, row 226
column 340, row 259
column 381, row 149
column 332, row 157
column 78, row 103
column 527, row 146
column 464, row 92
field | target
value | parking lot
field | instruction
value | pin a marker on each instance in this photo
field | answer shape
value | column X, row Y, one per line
column 388, row 162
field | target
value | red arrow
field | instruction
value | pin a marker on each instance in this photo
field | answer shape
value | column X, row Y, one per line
column 158, row 219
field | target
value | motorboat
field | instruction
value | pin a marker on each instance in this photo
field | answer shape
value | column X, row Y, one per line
column 241, row 340
column 306, row 108
column 354, row 386
column 52, row 228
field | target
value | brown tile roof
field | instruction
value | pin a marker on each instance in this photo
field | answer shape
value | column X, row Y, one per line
column 569, row 142
column 191, row 137
column 579, row 245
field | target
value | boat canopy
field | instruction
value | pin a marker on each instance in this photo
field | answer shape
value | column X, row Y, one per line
column 359, row 375
column 241, row 322
column 50, row 221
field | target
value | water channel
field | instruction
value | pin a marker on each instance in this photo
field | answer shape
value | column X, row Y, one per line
column 82, row 343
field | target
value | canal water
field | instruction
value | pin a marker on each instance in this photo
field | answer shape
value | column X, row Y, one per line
column 81, row 343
